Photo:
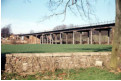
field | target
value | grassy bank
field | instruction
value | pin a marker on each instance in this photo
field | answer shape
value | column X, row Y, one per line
column 37, row 48
column 72, row 74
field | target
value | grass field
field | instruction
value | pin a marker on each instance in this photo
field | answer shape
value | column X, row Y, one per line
column 92, row 73
column 37, row 48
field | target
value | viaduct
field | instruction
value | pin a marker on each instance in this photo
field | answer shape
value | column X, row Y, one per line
column 50, row 37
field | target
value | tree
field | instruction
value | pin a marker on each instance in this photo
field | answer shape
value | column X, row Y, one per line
column 82, row 8
column 116, row 49
column 71, row 26
column 60, row 27
column 6, row 31
column 85, row 9
column 32, row 31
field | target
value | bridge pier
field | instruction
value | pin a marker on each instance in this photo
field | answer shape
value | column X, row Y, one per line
column 108, row 36
column 99, row 36
column 66, row 38
column 55, row 38
column 40, row 40
column 47, row 38
column 91, row 31
column 60, row 37
column 73, row 37
column 80, row 37
column 50, row 38
column 22, row 37
column 88, row 37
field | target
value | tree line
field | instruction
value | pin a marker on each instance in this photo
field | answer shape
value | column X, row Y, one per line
column 6, row 31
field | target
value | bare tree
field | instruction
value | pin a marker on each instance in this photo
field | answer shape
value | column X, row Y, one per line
column 6, row 31
column 71, row 26
column 32, row 31
column 84, row 9
column 81, row 7
column 60, row 27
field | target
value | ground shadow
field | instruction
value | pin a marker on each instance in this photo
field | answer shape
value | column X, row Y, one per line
column 3, row 61
column 90, row 49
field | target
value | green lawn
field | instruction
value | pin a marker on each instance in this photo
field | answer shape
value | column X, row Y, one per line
column 37, row 48
column 92, row 73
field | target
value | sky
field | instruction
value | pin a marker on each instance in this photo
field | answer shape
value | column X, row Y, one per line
column 26, row 15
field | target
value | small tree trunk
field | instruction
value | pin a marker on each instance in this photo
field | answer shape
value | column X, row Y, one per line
column 116, row 48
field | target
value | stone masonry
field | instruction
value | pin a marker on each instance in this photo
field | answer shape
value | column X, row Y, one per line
column 37, row 62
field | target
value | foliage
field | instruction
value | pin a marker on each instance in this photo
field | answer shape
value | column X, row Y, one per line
column 6, row 31
column 44, row 48
column 92, row 73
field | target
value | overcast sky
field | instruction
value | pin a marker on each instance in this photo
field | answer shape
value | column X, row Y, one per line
column 25, row 15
